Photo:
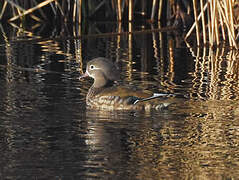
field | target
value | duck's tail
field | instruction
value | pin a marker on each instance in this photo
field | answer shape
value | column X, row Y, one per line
column 155, row 95
column 159, row 101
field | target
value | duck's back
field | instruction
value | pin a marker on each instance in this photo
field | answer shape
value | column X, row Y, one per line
column 119, row 98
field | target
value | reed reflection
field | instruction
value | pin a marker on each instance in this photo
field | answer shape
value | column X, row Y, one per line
column 133, row 144
column 171, row 145
column 45, row 114
column 215, row 74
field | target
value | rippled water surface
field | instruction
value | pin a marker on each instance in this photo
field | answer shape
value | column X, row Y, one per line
column 46, row 132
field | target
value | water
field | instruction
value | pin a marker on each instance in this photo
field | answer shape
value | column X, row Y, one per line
column 46, row 132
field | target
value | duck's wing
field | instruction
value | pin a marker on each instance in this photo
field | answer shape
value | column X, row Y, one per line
column 124, row 92
column 154, row 96
column 129, row 96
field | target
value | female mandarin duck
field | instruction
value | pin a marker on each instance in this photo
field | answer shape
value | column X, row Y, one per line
column 105, row 94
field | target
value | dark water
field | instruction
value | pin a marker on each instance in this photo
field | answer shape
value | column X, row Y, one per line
column 46, row 132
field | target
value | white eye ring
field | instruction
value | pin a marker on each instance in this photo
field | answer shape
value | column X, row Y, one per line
column 92, row 67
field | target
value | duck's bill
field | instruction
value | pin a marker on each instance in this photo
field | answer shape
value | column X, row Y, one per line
column 84, row 75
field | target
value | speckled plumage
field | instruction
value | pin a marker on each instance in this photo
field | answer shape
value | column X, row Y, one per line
column 104, row 94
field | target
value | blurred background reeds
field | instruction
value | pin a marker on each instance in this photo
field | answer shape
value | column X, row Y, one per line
column 213, row 21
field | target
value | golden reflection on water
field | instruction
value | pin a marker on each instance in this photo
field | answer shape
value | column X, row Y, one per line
column 78, row 47
column 171, row 61
column 130, row 50
column 52, row 46
column 196, row 139
column 201, row 145
column 216, row 73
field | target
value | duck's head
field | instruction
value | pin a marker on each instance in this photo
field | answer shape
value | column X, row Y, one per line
column 102, row 70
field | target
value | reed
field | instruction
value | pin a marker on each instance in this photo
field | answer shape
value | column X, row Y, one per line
column 18, row 8
column 3, row 9
column 215, row 20
column 31, row 9
column 203, row 22
column 221, row 23
column 119, row 12
column 160, row 9
column 196, row 22
column 130, row 10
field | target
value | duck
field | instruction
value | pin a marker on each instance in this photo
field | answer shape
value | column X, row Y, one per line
column 106, row 94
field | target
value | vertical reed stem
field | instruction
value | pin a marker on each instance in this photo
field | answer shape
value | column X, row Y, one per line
column 216, row 25
column 194, row 24
column 228, row 27
column 203, row 23
column 119, row 14
column 130, row 10
column 79, row 7
column 227, row 18
column 212, row 9
column 209, row 13
column 231, row 18
column 160, row 9
column 74, row 12
column 221, row 23
column 3, row 9
column 196, row 21
column 153, row 10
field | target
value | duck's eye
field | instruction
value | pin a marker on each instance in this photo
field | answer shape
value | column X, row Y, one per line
column 92, row 67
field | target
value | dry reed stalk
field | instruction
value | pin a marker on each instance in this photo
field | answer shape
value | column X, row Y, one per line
column 216, row 24
column 204, row 54
column 19, row 9
column 160, row 9
column 77, row 8
column 216, row 15
column 203, row 23
column 222, row 25
column 19, row 12
column 231, row 38
column 196, row 21
column 3, row 9
column 212, row 10
column 153, row 9
column 79, row 11
column 227, row 16
column 74, row 12
column 231, row 18
column 194, row 24
column 209, row 22
column 119, row 14
column 130, row 10
column 31, row 9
